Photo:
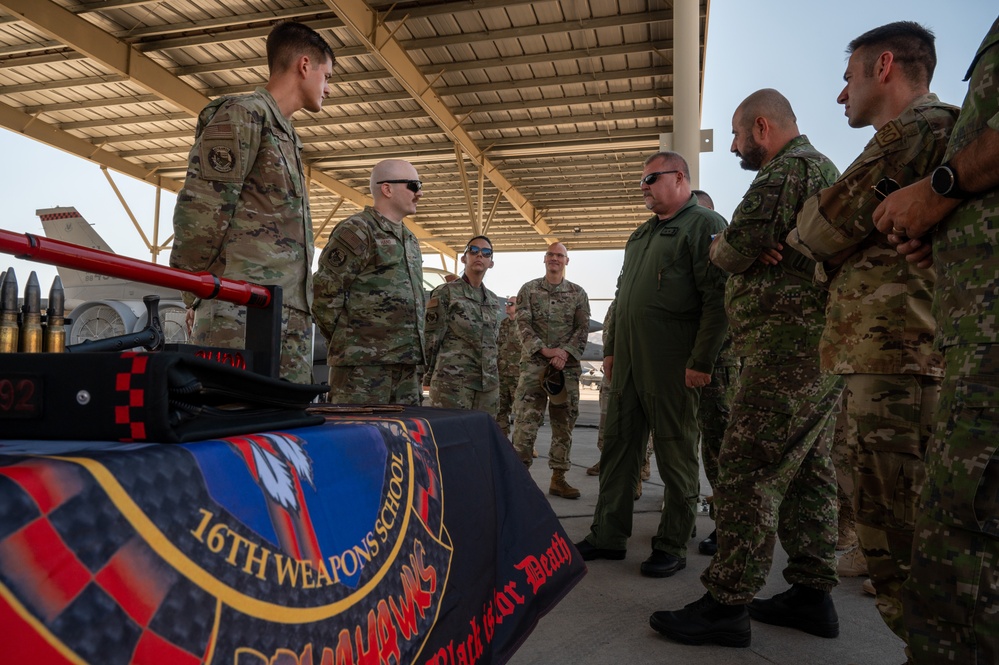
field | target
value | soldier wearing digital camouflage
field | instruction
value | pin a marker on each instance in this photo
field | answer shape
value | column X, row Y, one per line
column 369, row 296
column 553, row 318
column 775, row 477
column 715, row 407
column 244, row 210
column 951, row 597
column 668, row 326
column 508, row 362
column 461, row 330
column 879, row 328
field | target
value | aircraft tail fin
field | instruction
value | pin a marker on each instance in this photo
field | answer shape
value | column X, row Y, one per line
column 68, row 225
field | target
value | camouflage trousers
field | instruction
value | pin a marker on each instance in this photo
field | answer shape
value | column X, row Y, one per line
column 844, row 459
column 376, row 384
column 529, row 411
column 775, row 477
column 952, row 594
column 453, row 394
column 507, row 392
column 712, row 418
column 218, row 323
column 889, row 423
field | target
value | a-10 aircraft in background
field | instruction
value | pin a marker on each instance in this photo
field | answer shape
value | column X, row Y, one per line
column 102, row 306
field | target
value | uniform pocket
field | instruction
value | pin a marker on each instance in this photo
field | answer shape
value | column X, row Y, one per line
column 966, row 474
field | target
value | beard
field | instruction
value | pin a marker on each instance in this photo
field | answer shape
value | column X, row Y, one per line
column 752, row 158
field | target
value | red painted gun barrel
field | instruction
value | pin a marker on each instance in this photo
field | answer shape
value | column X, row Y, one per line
column 67, row 255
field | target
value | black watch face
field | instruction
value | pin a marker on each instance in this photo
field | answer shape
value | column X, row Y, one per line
column 942, row 180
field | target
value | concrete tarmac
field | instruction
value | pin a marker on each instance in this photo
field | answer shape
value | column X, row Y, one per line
column 604, row 620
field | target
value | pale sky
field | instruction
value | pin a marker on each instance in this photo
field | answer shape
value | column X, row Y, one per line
column 795, row 46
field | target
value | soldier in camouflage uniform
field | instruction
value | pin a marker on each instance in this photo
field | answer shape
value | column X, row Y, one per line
column 952, row 595
column 668, row 325
column 461, row 330
column 879, row 329
column 244, row 210
column 775, row 476
column 716, row 406
column 508, row 362
column 369, row 296
column 553, row 318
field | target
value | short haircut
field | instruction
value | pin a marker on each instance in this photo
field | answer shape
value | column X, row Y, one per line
column 770, row 104
column 703, row 198
column 289, row 40
column 471, row 240
column 673, row 160
column 911, row 44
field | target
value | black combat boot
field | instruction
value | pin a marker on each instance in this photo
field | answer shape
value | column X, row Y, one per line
column 807, row 609
column 705, row 621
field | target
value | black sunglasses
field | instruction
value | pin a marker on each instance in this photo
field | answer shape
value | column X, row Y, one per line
column 652, row 177
column 885, row 187
column 412, row 185
column 485, row 251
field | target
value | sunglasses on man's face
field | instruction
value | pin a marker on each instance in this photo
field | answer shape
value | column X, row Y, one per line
column 510, row 303
column 475, row 251
column 412, row 185
column 652, row 177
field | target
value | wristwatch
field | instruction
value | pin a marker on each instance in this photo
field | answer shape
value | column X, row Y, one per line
column 943, row 181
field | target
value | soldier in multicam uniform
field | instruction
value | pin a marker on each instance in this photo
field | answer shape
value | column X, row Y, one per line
column 508, row 362
column 668, row 325
column 951, row 597
column 369, row 295
column 879, row 329
column 775, row 475
column 553, row 318
column 244, row 210
column 462, row 325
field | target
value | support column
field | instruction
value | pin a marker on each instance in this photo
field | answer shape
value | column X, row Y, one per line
column 687, row 84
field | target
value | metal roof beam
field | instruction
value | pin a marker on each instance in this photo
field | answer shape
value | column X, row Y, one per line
column 366, row 25
column 39, row 130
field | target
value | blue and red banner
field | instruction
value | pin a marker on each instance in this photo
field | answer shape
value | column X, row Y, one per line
column 406, row 538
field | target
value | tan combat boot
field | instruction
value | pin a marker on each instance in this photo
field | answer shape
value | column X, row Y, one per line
column 560, row 487
column 847, row 537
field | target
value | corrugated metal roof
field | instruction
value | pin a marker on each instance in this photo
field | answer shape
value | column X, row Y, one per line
column 557, row 102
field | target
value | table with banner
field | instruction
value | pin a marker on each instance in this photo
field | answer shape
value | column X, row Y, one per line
column 407, row 537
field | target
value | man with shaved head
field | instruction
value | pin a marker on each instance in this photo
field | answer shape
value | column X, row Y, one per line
column 553, row 320
column 369, row 295
column 775, row 475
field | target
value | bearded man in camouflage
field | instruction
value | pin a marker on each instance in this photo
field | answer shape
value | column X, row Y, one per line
column 879, row 328
column 461, row 329
column 775, row 475
column 244, row 210
column 369, row 295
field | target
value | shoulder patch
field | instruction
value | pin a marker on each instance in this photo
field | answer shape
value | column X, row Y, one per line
column 337, row 257
column 222, row 130
column 751, row 202
column 351, row 240
column 888, row 134
column 433, row 302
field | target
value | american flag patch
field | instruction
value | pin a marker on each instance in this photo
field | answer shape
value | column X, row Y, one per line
column 219, row 131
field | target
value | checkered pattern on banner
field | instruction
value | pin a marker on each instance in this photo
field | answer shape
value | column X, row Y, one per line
column 60, row 578
column 128, row 412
